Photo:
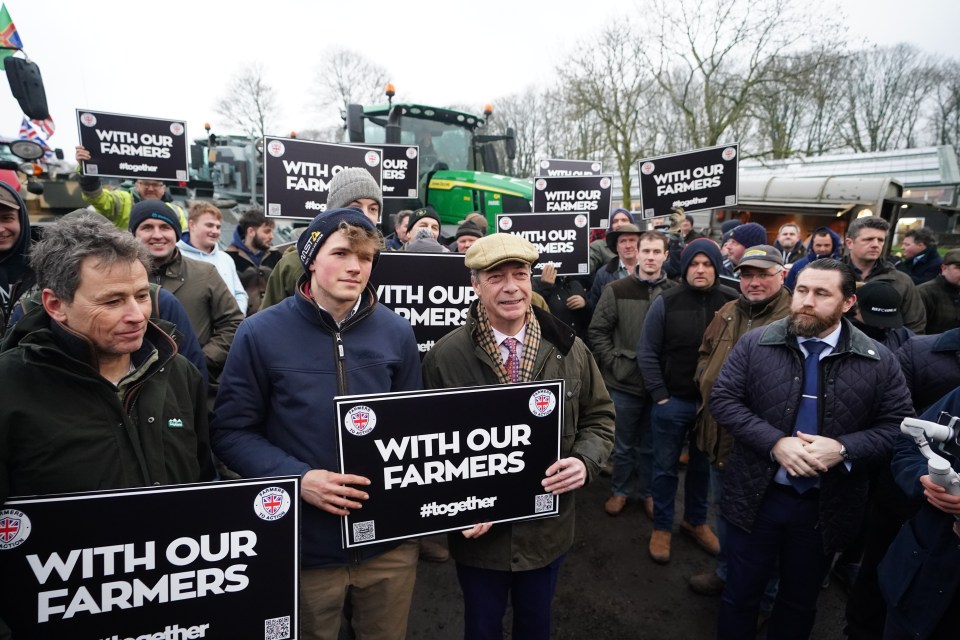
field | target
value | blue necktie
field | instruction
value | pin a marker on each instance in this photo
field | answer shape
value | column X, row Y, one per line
column 807, row 413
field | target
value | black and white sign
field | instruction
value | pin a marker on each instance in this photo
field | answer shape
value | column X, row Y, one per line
column 694, row 180
column 132, row 146
column 569, row 168
column 214, row 560
column 431, row 290
column 580, row 194
column 561, row 238
column 437, row 463
column 401, row 169
column 296, row 173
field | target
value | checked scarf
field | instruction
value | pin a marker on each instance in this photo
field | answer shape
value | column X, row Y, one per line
column 483, row 334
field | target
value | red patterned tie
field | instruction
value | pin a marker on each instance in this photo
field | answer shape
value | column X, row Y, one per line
column 513, row 362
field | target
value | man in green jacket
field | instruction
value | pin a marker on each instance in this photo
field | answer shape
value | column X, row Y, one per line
column 212, row 309
column 506, row 340
column 614, row 333
column 92, row 388
column 865, row 240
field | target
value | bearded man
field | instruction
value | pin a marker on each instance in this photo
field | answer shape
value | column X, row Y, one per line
column 811, row 403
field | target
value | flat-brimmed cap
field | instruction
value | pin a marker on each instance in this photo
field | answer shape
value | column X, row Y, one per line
column 498, row 248
column 763, row 256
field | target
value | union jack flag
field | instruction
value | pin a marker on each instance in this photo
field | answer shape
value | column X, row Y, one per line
column 27, row 132
column 47, row 126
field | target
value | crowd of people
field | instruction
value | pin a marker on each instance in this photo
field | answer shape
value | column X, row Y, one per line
column 777, row 374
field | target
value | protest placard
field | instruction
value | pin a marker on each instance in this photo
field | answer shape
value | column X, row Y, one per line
column 693, row 180
column 553, row 167
column 213, row 560
column 580, row 194
column 435, row 463
column 560, row 238
column 430, row 290
column 123, row 146
column 297, row 173
column 401, row 169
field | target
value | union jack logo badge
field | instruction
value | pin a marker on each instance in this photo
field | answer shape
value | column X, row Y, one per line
column 14, row 528
column 360, row 420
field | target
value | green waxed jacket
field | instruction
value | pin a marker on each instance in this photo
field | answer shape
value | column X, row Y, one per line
column 69, row 429
column 457, row 361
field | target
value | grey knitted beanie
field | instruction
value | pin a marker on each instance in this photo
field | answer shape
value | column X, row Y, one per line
column 350, row 185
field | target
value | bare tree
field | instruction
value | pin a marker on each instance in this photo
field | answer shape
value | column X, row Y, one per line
column 798, row 111
column 711, row 58
column 249, row 102
column 346, row 77
column 886, row 89
column 945, row 110
column 604, row 83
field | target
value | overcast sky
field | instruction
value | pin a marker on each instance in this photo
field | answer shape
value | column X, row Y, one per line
column 172, row 59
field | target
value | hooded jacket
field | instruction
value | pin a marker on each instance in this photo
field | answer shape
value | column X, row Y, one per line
column 93, row 435
column 674, row 327
column 810, row 256
column 16, row 276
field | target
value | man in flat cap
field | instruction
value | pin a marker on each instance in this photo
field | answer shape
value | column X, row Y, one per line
column 275, row 417
column 503, row 341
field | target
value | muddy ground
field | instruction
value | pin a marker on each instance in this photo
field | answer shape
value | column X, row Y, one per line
column 609, row 587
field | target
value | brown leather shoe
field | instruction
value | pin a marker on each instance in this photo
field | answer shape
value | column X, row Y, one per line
column 703, row 536
column 614, row 505
column 648, row 506
column 707, row 584
column 660, row 546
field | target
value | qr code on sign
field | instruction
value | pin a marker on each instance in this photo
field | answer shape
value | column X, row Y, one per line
column 543, row 503
column 276, row 628
column 364, row 531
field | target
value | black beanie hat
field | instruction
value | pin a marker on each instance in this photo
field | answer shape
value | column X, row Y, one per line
column 323, row 226
column 154, row 209
column 425, row 212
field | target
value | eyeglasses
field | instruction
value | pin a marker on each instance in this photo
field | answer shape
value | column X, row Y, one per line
column 150, row 185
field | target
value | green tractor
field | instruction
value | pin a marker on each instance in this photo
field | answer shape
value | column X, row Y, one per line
column 459, row 167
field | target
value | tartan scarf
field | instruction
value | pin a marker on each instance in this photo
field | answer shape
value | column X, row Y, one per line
column 483, row 334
